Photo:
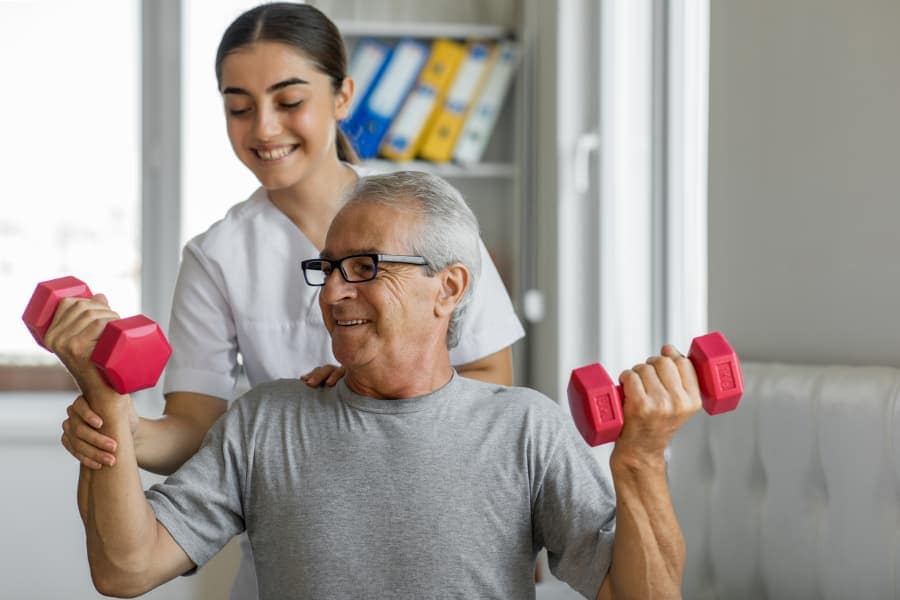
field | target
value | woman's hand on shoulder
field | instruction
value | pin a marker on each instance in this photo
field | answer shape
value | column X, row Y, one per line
column 326, row 375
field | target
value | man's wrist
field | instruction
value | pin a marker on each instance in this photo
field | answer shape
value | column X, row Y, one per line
column 108, row 403
column 635, row 460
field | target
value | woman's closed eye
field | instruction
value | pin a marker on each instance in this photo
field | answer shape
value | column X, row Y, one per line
column 238, row 109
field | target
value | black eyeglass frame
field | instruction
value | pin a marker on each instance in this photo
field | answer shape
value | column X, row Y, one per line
column 336, row 265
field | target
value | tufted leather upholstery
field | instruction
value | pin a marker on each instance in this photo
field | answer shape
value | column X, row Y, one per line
column 796, row 494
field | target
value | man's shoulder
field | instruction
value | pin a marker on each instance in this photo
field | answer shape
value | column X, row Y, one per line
column 515, row 398
column 282, row 394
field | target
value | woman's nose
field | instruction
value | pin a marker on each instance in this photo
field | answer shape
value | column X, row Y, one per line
column 268, row 124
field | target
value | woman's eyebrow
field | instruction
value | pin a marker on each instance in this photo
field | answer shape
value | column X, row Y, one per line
column 272, row 88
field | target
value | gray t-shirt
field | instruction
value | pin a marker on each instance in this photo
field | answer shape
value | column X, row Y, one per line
column 449, row 495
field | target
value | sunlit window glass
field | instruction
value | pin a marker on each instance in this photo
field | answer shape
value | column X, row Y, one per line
column 213, row 179
column 69, row 193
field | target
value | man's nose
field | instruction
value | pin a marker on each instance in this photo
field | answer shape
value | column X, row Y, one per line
column 336, row 288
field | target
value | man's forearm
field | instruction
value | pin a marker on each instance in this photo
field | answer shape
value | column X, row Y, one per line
column 120, row 525
column 649, row 551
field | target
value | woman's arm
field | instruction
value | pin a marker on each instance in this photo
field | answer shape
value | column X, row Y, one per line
column 161, row 445
column 493, row 368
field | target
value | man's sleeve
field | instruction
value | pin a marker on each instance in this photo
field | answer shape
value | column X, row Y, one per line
column 201, row 504
column 574, row 514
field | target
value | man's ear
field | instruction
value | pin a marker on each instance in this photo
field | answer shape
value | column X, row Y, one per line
column 342, row 99
column 455, row 280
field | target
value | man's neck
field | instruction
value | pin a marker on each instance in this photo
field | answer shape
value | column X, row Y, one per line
column 398, row 383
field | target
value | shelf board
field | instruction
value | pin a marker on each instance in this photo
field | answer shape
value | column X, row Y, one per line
column 448, row 170
column 420, row 29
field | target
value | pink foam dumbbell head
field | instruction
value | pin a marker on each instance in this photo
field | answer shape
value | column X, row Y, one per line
column 39, row 313
column 131, row 353
column 596, row 404
column 596, row 401
column 718, row 371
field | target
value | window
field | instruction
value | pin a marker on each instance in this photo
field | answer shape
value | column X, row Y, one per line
column 632, row 155
column 71, row 126
column 213, row 179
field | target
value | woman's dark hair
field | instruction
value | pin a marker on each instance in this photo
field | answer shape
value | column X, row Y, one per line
column 302, row 27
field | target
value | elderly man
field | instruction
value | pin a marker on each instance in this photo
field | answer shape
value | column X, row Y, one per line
column 405, row 480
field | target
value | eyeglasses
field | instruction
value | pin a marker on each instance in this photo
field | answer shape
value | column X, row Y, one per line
column 354, row 269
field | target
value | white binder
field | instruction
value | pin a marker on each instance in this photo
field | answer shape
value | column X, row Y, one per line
column 365, row 65
column 482, row 117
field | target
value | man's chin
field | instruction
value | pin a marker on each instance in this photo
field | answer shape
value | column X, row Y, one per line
column 348, row 355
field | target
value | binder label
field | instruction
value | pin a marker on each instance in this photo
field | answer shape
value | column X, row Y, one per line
column 466, row 81
column 366, row 62
column 414, row 115
column 402, row 71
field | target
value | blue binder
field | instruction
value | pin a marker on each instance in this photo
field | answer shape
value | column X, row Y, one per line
column 366, row 65
column 373, row 116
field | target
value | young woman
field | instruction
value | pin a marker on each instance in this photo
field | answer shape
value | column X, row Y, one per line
column 240, row 301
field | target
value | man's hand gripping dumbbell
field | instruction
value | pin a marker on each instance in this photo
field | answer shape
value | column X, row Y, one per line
column 67, row 319
column 597, row 402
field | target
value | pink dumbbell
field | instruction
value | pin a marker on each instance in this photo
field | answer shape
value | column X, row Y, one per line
column 131, row 353
column 596, row 401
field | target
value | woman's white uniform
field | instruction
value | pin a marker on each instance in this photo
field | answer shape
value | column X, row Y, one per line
column 240, row 291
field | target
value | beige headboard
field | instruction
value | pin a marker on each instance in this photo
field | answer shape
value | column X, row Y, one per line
column 796, row 494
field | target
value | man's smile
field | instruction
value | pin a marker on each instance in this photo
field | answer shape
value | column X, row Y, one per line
column 350, row 322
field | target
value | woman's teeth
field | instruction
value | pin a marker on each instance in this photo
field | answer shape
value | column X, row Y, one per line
column 275, row 154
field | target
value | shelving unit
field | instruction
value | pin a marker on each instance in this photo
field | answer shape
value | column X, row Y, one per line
column 423, row 30
column 499, row 188
column 391, row 31
column 485, row 170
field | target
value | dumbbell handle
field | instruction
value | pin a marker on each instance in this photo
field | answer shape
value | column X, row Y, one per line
column 142, row 336
column 596, row 402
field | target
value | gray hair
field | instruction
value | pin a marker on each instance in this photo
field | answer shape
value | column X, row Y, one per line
column 447, row 232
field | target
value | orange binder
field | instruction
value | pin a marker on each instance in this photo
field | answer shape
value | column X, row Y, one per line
column 441, row 137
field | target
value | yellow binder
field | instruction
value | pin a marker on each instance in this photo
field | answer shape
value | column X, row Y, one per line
column 420, row 109
column 441, row 136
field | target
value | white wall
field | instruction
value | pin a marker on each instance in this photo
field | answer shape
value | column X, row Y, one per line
column 804, row 179
column 42, row 551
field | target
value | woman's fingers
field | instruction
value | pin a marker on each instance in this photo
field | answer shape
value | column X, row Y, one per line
column 83, row 410
column 327, row 375
column 335, row 376
column 90, row 464
column 85, row 443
